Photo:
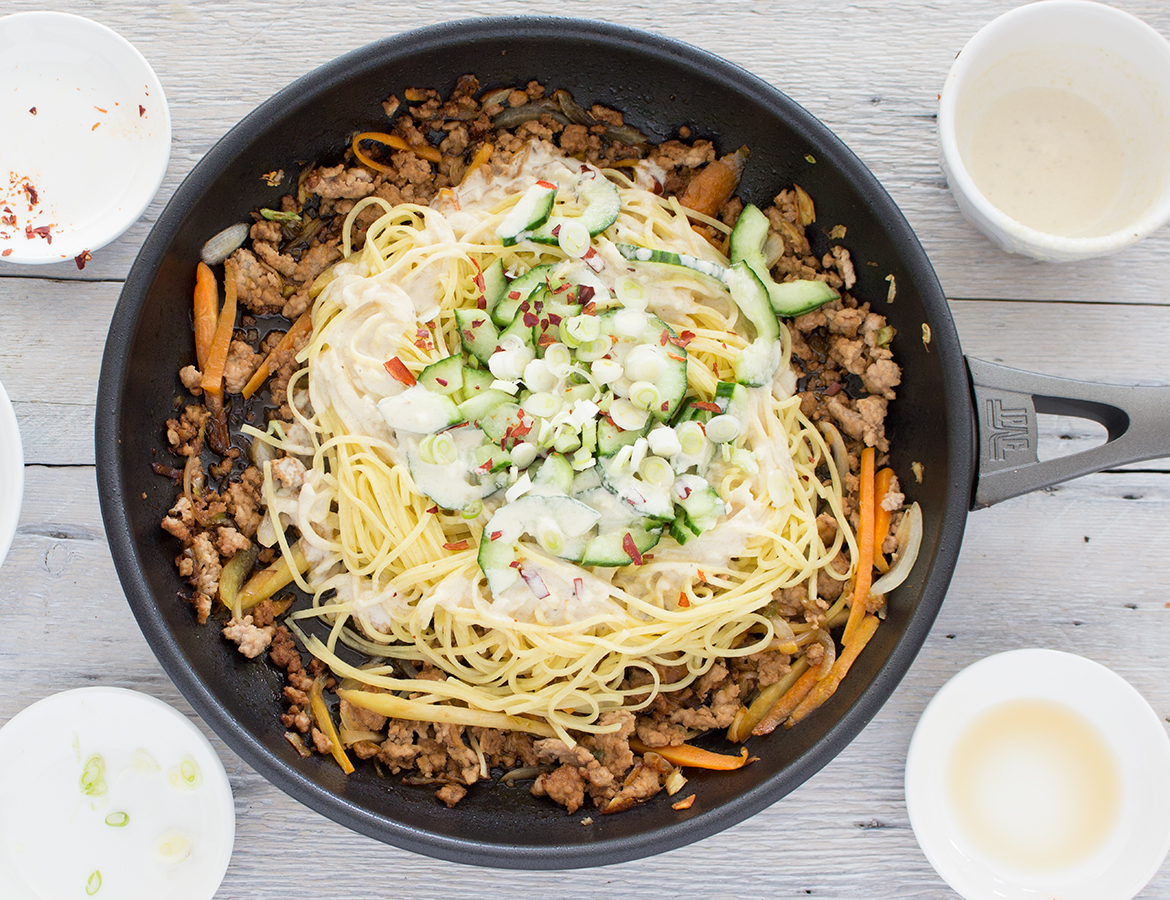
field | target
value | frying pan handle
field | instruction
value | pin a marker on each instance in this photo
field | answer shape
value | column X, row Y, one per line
column 1007, row 402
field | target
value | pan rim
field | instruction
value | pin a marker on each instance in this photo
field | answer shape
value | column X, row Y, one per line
column 112, row 483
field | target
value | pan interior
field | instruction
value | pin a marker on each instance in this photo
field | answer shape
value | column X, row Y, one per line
column 659, row 85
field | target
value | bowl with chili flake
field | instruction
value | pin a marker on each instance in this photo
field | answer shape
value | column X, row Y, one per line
column 90, row 137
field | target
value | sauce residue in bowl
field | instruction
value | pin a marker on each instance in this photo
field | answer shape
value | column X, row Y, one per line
column 1034, row 786
column 1048, row 158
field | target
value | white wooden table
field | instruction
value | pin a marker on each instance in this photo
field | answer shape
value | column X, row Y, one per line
column 1082, row 567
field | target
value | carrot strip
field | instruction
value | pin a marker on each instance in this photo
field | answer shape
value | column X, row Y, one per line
column 206, row 312
column 786, row 704
column 427, row 152
column 217, row 356
column 693, row 757
column 302, row 325
column 827, row 686
column 325, row 723
column 881, row 517
column 863, row 576
column 482, row 155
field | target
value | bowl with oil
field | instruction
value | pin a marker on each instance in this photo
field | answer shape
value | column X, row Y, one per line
column 1036, row 773
column 1054, row 130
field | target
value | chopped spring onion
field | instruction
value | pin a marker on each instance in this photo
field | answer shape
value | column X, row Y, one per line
column 631, row 294
column 185, row 776
column 606, row 371
column 657, row 471
column 626, row 415
column 592, row 350
column 691, row 439
column 472, row 510
column 906, row 559
column 559, row 359
column 438, row 449
column 573, row 238
column 550, row 537
column 644, row 395
column 567, row 441
column 118, row 819
column 542, row 405
column 538, row 377
column 582, row 329
column 641, row 446
column 519, row 489
column 630, row 323
column 644, row 363
column 93, row 884
column 723, row 429
column 224, row 244
column 523, row 455
column 172, row 848
column 93, row 776
column 779, row 490
column 664, row 442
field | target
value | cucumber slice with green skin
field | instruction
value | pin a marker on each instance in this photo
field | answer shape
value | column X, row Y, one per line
column 756, row 364
column 531, row 514
column 419, row 411
column 519, row 290
column 443, row 377
column 609, row 549
column 476, row 408
column 507, row 425
column 701, row 505
column 647, row 500
column 672, row 383
column 489, row 458
column 750, row 295
column 477, row 333
column 787, row 298
column 521, row 326
column 530, row 212
column 601, row 202
column 456, row 485
column 476, row 381
column 610, row 438
column 667, row 257
column 495, row 282
column 679, row 530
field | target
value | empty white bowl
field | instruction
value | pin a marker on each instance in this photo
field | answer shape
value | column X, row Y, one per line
column 86, row 137
column 1036, row 774
column 1054, row 130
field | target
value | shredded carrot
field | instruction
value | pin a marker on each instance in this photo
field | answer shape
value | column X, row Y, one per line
column 206, row 312
column 324, row 723
column 302, row 325
column 217, row 355
column 863, row 576
column 693, row 757
column 426, row 151
column 827, row 686
column 785, row 705
column 881, row 517
column 482, row 155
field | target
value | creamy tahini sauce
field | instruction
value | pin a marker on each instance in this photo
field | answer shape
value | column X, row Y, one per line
column 1034, row 786
column 1048, row 158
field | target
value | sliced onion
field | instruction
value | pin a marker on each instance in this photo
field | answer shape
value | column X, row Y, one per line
column 907, row 557
column 826, row 665
column 836, row 446
column 224, row 244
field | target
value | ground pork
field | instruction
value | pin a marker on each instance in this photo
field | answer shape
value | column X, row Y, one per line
column 251, row 639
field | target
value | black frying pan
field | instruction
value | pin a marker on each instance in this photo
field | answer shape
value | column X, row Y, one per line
column 659, row 84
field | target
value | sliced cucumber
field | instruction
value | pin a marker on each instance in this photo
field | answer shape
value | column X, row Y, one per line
column 474, row 409
column 672, row 382
column 419, row 411
column 787, row 298
column 476, row 381
column 756, row 364
column 609, row 549
column 750, row 295
column 648, row 500
column 610, row 438
column 555, row 474
column 701, row 505
column 530, row 212
column 522, row 327
column 477, row 333
column 443, row 377
column 667, row 257
column 495, row 282
column 456, row 485
column 519, row 290
column 507, row 425
column 544, row 517
column 602, row 203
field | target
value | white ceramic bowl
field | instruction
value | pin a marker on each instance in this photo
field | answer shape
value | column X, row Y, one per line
column 11, row 473
column 1107, row 58
column 109, row 792
column 86, row 137
column 1128, row 851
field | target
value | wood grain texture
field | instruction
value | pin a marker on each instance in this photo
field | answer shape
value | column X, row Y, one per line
column 1069, row 568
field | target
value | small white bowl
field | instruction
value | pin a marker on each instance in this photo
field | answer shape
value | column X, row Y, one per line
column 1135, row 831
column 109, row 792
column 11, row 474
column 1101, row 66
column 86, row 137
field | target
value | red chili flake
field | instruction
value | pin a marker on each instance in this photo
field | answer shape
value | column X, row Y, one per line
column 686, row 492
column 514, row 564
column 32, row 194
column 33, row 110
column 664, row 338
column 556, row 232
column 564, row 287
column 705, row 405
column 631, row 548
column 433, row 510
column 399, row 372
column 554, row 318
column 481, row 303
column 682, row 599
column 6, row 252
column 457, row 545
column 585, row 293
column 683, row 339
column 545, row 184
column 42, row 231
column 485, row 468
column 99, row 109
column 546, row 340
column 468, row 335
column 141, row 110
column 8, row 220
column 513, row 295
column 665, row 405
column 579, row 584
column 593, row 260
column 535, row 583
column 82, row 258
column 833, row 389
column 495, row 535
column 676, row 357
column 530, row 320
column 479, row 283
column 702, row 576
column 590, row 309
column 442, row 381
